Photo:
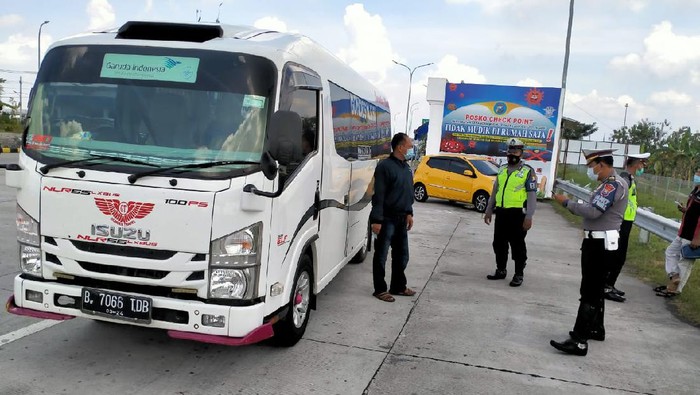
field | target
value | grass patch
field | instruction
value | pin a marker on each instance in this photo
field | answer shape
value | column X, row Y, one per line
column 646, row 261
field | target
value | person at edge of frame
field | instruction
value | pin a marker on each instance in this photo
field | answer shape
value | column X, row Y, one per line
column 634, row 168
column 602, row 218
column 392, row 217
column 678, row 267
column 515, row 184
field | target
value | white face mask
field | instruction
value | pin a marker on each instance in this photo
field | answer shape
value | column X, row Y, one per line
column 591, row 174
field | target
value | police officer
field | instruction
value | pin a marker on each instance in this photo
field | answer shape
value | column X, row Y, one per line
column 634, row 167
column 602, row 218
column 515, row 184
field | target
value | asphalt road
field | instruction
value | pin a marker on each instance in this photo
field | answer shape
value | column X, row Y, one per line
column 461, row 334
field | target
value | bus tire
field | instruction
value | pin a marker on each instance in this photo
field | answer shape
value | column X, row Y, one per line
column 290, row 328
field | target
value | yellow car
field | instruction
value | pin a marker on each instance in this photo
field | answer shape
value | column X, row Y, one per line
column 455, row 177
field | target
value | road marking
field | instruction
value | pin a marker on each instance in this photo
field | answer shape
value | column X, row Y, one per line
column 26, row 331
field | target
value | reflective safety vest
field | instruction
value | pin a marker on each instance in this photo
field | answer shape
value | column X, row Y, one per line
column 511, row 187
column 631, row 211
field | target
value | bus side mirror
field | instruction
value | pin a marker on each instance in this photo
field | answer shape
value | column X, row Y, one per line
column 268, row 166
column 284, row 137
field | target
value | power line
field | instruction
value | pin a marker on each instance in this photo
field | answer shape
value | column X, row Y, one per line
column 17, row 71
column 591, row 115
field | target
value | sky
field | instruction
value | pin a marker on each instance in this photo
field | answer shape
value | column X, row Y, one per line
column 629, row 60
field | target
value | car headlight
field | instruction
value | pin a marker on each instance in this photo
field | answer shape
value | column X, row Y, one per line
column 234, row 263
column 29, row 240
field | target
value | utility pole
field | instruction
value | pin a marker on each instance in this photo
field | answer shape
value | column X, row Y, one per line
column 410, row 81
column 20, row 97
column 624, row 121
column 38, row 46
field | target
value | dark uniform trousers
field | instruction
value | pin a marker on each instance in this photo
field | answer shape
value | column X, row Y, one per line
column 508, row 229
column 621, row 255
column 595, row 263
column 393, row 234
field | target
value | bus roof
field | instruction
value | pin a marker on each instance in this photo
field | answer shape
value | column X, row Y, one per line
column 279, row 47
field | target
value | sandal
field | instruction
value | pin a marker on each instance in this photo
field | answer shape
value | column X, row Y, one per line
column 384, row 296
column 660, row 288
column 666, row 294
column 405, row 292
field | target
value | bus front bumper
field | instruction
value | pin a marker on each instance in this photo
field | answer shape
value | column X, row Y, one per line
column 242, row 325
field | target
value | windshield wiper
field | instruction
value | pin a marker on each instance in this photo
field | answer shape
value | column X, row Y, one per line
column 93, row 158
column 132, row 178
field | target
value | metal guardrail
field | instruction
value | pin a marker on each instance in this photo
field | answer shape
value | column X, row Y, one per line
column 663, row 227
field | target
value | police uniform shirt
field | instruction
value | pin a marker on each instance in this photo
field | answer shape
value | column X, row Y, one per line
column 607, row 205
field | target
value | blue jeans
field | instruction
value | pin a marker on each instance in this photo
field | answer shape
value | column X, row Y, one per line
column 393, row 234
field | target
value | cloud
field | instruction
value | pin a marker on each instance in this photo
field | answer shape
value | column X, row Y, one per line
column 670, row 97
column 370, row 51
column 450, row 68
column 101, row 14
column 10, row 20
column 19, row 51
column 494, row 6
column 695, row 76
column 529, row 82
column 272, row 23
column 148, row 6
column 635, row 5
column 666, row 53
column 631, row 60
column 608, row 112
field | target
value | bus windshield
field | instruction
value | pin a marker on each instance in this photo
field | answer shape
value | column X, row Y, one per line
column 159, row 107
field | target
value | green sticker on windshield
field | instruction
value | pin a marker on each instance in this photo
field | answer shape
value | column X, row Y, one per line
column 254, row 101
column 146, row 67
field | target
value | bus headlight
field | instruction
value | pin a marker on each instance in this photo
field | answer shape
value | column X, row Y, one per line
column 29, row 240
column 234, row 263
column 27, row 228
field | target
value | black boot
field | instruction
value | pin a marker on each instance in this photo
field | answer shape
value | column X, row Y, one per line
column 517, row 280
column 498, row 275
column 617, row 291
column 577, row 343
column 571, row 346
column 610, row 294
column 596, row 334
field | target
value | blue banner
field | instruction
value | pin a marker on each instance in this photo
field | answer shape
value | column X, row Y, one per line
column 479, row 119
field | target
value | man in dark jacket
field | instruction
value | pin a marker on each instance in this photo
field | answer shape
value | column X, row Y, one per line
column 391, row 217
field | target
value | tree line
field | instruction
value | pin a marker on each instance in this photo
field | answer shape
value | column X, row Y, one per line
column 674, row 153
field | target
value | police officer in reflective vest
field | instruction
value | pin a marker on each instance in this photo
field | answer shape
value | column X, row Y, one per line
column 602, row 218
column 515, row 185
column 635, row 167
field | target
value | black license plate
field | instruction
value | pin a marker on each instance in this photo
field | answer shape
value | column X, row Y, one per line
column 116, row 305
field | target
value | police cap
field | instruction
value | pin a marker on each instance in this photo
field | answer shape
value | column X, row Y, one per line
column 643, row 156
column 592, row 154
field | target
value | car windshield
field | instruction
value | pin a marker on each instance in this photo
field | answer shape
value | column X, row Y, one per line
column 154, row 106
column 485, row 167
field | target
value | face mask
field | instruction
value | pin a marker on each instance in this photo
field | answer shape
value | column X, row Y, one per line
column 513, row 159
column 696, row 179
column 410, row 154
column 591, row 174
column 639, row 172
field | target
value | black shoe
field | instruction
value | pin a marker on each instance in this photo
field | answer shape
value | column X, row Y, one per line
column 617, row 291
column 498, row 275
column 598, row 335
column 571, row 346
column 516, row 281
column 610, row 295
